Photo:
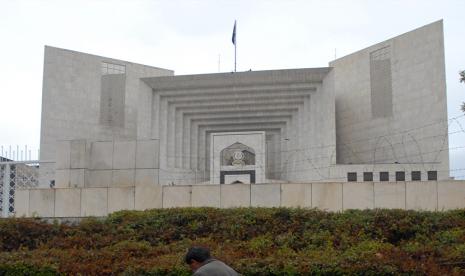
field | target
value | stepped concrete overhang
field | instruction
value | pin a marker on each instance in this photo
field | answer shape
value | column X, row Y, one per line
column 223, row 80
column 283, row 103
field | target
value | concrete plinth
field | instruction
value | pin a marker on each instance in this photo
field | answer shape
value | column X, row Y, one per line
column 296, row 195
column 21, row 203
column 206, row 196
column 176, row 196
column 120, row 199
column 235, row 195
column 390, row 195
column 266, row 195
column 148, row 197
column 94, row 202
column 451, row 195
column 42, row 202
column 67, row 202
column 327, row 196
column 422, row 195
column 357, row 195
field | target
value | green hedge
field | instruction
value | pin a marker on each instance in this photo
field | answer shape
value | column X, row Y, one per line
column 255, row 241
column 26, row 270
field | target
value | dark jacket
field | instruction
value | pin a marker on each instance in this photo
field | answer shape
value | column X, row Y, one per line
column 214, row 267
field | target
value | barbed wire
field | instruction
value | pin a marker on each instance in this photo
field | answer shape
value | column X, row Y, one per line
column 395, row 133
column 302, row 159
column 202, row 158
column 439, row 136
column 318, row 169
column 442, row 138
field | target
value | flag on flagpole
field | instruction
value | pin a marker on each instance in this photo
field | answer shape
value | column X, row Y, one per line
column 234, row 34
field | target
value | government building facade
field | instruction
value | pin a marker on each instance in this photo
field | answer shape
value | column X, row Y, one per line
column 378, row 114
column 136, row 136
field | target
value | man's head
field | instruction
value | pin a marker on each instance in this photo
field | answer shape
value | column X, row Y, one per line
column 196, row 256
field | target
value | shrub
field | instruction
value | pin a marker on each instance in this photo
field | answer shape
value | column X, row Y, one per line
column 26, row 270
column 255, row 241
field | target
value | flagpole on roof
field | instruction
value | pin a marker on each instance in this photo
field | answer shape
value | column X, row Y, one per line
column 234, row 41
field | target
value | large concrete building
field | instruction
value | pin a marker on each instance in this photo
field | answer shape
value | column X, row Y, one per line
column 370, row 130
column 378, row 114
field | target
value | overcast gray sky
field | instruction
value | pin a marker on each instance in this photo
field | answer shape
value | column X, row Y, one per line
column 192, row 36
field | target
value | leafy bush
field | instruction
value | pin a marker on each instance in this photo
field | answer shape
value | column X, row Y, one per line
column 25, row 270
column 255, row 241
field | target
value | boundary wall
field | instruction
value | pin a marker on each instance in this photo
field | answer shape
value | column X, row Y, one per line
column 336, row 196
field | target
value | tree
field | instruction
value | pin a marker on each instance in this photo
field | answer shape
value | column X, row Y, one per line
column 462, row 79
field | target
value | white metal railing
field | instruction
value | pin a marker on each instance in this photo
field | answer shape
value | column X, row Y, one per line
column 16, row 175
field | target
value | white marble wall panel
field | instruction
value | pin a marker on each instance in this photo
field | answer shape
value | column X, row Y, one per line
column 121, row 199
column 451, row 195
column 144, row 111
column 42, row 202
column 124, row 155
column 206, row 196
column 94, row 202
column 22, row 203
column 266, row 195
column 123, row 178
column 67, row 202
column 146, row 177
column 147, row 156
column 101, row 155
column 62, row 178
column 235, row 195
column 120, row 158
column 422, row 195
column 357, row 195
column 63, row 152
column 98, row 178
column 390, row 195
column 77, row 178
column 327, row 196
column 296, row 195
column 148, row 197
column 78, row 154
column 176, row 196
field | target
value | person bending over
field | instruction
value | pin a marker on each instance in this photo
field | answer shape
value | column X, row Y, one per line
column 202, row 264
